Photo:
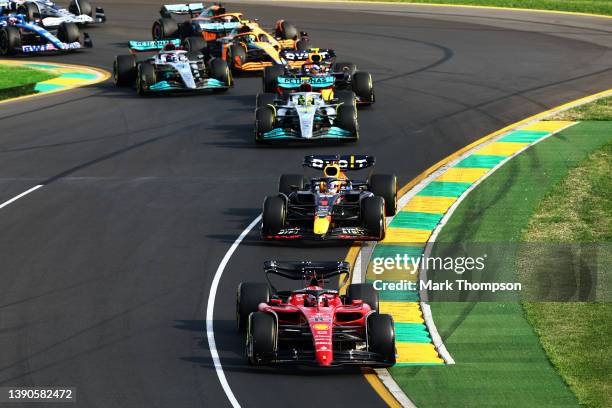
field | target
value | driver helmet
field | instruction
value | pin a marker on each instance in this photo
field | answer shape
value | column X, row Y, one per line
column 169, row 47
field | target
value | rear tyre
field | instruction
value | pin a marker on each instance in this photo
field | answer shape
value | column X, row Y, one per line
column 381, row 336
column 274, row 215
column 164, row 28
column 385, row 186
column 345, row 67
column 248, row 297
column 68, row 33
column 264, row 121
column 286, row 31
column 220, row 71
column 29, row 10
column 264, row 99
column 263, row 335
column 270, row 78
column 303, row 44
column 80, row 7
column 365, row 292
column 286, row 183
column 362, row 85
column 145, row 78
column 373, row 216
column 10, row 40
column 346, row 118
column 124, row 70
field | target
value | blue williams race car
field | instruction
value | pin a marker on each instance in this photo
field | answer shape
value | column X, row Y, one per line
column 171, row 69
column 20, row 36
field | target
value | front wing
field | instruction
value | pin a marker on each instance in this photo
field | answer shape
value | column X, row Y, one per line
column 331, row 133
column 165, row 86
column 339, row 233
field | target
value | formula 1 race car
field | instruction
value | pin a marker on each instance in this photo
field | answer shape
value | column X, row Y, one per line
column 332, row 206
column 322, row 73
column 19, row 36
column 50, row 15
column 241, row 42
column 314, row 325
column 172, row 69
column 304, row 116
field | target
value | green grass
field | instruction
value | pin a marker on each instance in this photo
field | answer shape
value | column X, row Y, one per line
column 578, row 210
column 499, row 358
column 600, row 109
column 18, row 81
column 603, row 7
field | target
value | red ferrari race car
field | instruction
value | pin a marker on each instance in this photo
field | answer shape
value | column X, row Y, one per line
column 314, row 325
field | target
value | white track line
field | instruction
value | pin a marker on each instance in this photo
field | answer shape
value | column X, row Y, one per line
column 17, row 197
column 210, row 311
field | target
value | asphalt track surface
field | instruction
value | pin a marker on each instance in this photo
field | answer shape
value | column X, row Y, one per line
column 105, row 271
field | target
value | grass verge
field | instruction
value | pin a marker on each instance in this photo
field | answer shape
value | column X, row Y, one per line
column 603, row 7
column 19, row 81
column 500, row 361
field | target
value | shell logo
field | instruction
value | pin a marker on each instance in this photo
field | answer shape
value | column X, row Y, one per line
column 321, row 326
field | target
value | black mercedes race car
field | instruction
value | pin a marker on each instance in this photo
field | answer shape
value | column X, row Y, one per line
column 332, row 206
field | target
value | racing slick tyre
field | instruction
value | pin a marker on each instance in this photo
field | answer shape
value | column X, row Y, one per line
column 236, row 56
column 195, row 44
column 286, row 31
column 124, row 70
column 373, row 216
column 78, row 7
column 346, row 118
column 262, row 337
column 347, row 98
column 29, row 10
column 264, row 121
column 381, row 336
column 385, row 186
column 345, row 66
column 164, row 28
column 365, row 292
column 264, row 99
column 270, row 76
column 220, row 71
column 287, row 183
column 145, row 78
column 274, row 215
column 10, row 40
column 68, row 33
column 248, row 296
column 362, row 85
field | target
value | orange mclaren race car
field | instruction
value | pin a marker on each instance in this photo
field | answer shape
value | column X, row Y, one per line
column 242, row 42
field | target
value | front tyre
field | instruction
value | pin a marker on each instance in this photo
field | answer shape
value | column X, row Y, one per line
column 10, row 40
column 262, row 337
column 287, row 183
column 146, row 78
column 68, row 33
column 381, row 336
column 274, row 215
column 264, row 121
column 346, row 118
column 80, row 7
column 373, row 216
column 220, row 71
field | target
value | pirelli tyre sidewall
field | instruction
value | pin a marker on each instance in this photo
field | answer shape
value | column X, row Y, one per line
column 10, row 40
column 164, row 28
column 274, row 215
column 78, row 7
column 381, row 336
column 145, row 78
column 124, row 70
column 373, row 216
column 385, row 186
column 262, row 337
column 264, row 121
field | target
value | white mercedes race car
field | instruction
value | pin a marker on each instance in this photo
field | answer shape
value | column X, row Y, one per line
column 50, row 15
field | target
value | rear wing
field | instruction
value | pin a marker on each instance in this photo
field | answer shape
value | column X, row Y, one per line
column 307, row 270
column 149, row 46
column 181, row 9
column 347, row 162
column 289, row 82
